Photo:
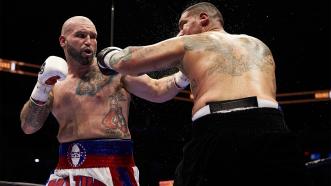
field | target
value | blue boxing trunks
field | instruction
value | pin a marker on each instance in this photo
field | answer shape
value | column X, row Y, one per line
column 96, row 162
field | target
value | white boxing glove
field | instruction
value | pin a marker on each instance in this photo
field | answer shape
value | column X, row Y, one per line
column 180, row 80
column 53, row 69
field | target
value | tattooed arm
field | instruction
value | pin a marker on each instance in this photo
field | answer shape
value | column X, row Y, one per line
column 34, row 116
column 154, row 90
column 139, row 60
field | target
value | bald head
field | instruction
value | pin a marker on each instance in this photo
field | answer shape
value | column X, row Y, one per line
column 70, row 23
column 206, row 7
column 79, row 40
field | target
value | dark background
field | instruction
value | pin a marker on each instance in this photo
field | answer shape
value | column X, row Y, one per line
column 297, row 32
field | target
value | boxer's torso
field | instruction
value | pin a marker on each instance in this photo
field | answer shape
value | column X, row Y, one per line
column 91, row 106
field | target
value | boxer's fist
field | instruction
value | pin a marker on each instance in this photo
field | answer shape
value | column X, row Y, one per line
column 53, row 69
column 103, row 59
column 180, row 80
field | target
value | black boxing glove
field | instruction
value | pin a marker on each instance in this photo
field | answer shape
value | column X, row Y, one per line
column 103, row 58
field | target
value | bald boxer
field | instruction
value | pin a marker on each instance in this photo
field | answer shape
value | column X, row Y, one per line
column 239, row 133
column 91, row 110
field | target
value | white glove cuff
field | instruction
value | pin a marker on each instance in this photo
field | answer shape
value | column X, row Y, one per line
column 40, row 93
column 110, row 55
column 180, row 80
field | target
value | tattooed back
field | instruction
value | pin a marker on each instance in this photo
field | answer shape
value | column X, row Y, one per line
column 224, row 66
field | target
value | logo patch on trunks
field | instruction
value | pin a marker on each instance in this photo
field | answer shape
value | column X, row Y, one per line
column 76, row 154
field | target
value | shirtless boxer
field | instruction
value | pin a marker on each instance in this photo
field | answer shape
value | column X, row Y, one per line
column 239, row 134
column 91, row 109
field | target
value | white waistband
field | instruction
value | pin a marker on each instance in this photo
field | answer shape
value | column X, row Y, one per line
column 261, row 103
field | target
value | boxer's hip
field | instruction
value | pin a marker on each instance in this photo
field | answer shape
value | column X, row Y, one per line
column 95, row 153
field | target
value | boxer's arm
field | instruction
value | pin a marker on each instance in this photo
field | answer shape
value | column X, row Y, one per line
column 33, row 116
column 155, row 90
column 35, row 111
column 139, row 60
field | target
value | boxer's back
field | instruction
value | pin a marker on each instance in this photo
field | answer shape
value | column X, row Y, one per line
column 222, row 66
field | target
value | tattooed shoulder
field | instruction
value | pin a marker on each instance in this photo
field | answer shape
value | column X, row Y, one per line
column 199, row 42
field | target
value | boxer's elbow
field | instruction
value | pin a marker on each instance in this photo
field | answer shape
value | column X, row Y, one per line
column 28, row 128
column 157, row 99
column 161, row 98
column 160, row 93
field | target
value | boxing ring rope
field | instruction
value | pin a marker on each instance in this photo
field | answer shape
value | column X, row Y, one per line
column 282, row 98
column 18, row 67
column 7, row 183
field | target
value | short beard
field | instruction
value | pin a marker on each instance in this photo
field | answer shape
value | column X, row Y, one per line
column 76, row 55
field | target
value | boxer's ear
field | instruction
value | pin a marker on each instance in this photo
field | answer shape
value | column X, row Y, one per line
column 204, row 19
column 62, row 41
